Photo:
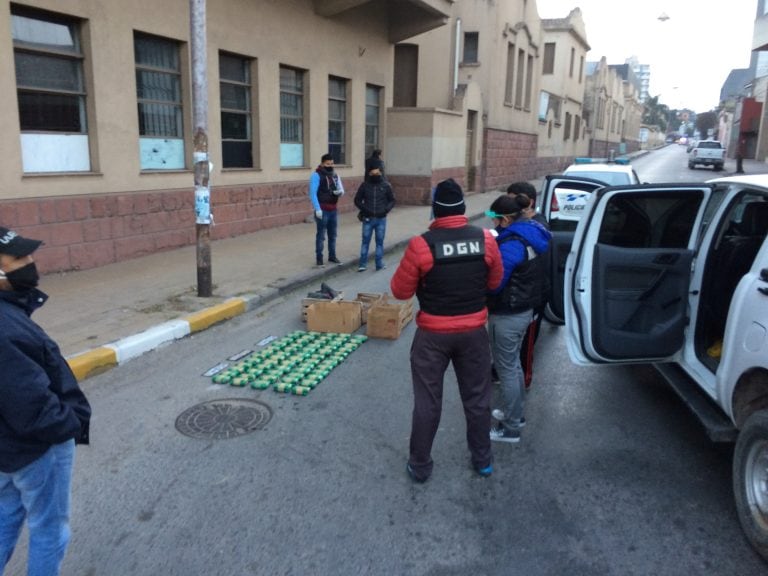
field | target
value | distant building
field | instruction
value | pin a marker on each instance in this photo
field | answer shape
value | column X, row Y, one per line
column 643, row 74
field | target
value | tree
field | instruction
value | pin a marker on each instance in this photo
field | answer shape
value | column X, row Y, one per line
column 705, row 122
column 656, row 113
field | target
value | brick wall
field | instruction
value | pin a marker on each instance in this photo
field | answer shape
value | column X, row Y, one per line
column 83, row 232
column 509, row 156
column 417, row 190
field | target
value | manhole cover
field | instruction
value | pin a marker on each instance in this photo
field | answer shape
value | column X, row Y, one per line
column 222, row 419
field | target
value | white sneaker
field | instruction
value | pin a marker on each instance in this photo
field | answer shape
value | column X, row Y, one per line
column 499, row 415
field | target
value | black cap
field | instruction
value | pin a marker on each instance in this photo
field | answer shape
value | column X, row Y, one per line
column 448, row 199
column 13, row 244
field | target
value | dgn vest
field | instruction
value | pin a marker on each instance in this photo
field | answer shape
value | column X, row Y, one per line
column 457, row 282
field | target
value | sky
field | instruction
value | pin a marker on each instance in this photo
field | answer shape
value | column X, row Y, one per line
column 691, row 53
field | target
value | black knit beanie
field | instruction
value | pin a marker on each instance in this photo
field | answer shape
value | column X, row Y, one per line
column 448, row 199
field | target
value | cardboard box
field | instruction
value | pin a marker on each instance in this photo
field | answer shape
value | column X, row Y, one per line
column 386, row 319
column 339, row 316
column 368, row 299
column 307, row 302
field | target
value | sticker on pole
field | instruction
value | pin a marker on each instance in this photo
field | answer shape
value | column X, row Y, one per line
column 202, row 204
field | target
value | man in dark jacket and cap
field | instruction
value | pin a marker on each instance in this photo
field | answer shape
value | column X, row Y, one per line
column 449, row 269
column 374, row 199
column 43, row 413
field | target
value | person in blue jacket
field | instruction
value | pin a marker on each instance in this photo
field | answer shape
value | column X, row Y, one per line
column 325, row 189
column 522, row 242
column 43, row 413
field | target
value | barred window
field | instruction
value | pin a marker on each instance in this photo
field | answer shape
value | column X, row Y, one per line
column 337, row 119
column 471, row 47
column 51, row 93
column 235, row 91
column 158, row 91
column 291, row 117
column 372, row 118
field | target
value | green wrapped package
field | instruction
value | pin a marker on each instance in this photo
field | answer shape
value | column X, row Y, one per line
column 283, row 387
column 301, row 390
column 240, row 381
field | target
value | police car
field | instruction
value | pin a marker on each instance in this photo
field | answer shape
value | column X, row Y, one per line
column 677, row 275
column 616, row 172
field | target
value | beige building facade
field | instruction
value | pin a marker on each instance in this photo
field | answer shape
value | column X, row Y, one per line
column 97, row 130
column 96, row 134
column 562, row 129
column 480, row 82
column 613, row 111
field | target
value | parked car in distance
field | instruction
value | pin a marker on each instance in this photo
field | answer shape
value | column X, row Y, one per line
column 676, row 275
column 615, row 172
column 707, row 153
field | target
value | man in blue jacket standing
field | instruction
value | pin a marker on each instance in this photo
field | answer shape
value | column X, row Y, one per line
column 43, row 413
column 325, row 189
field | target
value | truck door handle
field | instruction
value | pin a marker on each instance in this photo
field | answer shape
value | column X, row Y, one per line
column 764, row 274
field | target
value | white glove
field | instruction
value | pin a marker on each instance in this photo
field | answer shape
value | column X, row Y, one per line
column 319, row 214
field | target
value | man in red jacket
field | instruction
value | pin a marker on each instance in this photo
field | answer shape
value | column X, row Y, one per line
column 449, row 268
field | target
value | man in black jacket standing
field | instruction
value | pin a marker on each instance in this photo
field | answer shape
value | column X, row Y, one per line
column 43, row 413
column 374, row 199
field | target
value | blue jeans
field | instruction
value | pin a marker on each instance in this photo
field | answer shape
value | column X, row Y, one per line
column 379, row 226
column 506, row 332
column 329, row 223
column 40, row 492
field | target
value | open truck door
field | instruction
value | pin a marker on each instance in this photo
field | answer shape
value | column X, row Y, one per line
column 627, row 277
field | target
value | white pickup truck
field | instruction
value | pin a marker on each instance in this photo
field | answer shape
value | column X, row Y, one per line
column 707, row 153
column 677, row 275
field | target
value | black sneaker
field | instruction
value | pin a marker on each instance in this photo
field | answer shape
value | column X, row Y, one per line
column 412, row 474
column 501, row 434
column 334, row 260
column 319, row 263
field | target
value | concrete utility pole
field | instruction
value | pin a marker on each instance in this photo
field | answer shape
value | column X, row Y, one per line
column 197, row 26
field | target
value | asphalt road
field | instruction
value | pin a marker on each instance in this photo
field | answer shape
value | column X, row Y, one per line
column 613, row 475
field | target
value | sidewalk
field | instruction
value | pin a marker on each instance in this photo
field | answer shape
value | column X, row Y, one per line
column 105, row 316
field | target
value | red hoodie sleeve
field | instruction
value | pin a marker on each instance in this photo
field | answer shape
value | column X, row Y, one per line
column 493, row 261
column 416, row 262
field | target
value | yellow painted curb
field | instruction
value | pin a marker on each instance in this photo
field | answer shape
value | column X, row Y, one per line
column 210, row 316
column 92, row 362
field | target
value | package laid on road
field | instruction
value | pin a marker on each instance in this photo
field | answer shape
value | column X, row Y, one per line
column 387, row 318
column 307, row 302
column 340, row 316
column 296, row 363
column 368, row 299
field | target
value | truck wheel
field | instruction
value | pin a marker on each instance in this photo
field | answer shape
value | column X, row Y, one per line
column 691, row 165
column 718, row 167
column 750, row 480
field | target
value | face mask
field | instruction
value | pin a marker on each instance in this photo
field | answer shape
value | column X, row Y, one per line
column 328, row 169
column 24, row 278
column 374, row 178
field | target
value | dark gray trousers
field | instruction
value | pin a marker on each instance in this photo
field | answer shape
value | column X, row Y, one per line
column 430, row 354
